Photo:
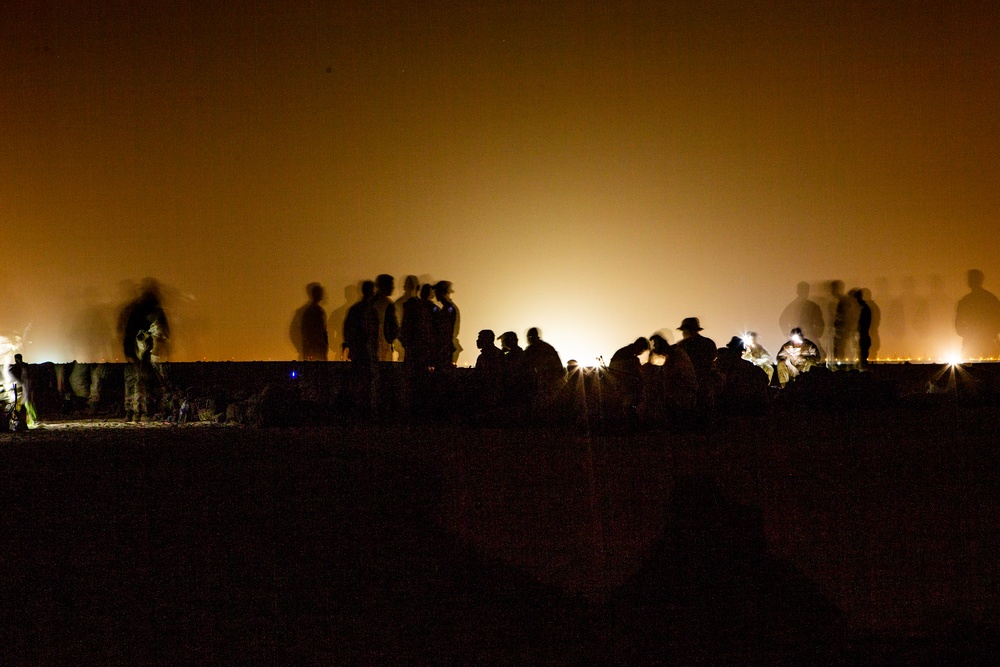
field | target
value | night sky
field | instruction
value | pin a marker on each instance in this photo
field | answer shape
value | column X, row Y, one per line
column 599, row 170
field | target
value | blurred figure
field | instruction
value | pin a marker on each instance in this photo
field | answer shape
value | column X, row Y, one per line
column 144, row 314
column 361, row 337
column 511, row 347
column 906, row 319
column 309, row 326
column 388, row 325
column 670, row 385
column 144, row 330
column 796, row 356
column 411, row 292
column 755, row 353
column 21, row 383
column 659, row 348
column 977, row 320
column 864, row 328
column 845, row 324
column 804, row 314
column 941, row 334
column 446, row 323
column 335, row 325
column 652, row 406
column 91, row 327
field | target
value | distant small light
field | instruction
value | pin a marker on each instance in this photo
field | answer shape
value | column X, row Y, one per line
column 293, row 375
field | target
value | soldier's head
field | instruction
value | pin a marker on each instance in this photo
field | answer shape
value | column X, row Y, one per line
column 486, row 339
column 385, row 284
column 442, row 289
column 690, row 326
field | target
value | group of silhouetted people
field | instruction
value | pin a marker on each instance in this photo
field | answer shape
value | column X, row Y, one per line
column 421, row 327
column 421, row 330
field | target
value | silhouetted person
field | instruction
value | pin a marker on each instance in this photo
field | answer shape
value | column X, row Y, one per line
column 511, row 348
column 626, row 371
column 700, row 349
column 542, row 361
column 361, row 337
column 416, row 336
column 489, row 369
column 517, row 381
column 804, row 314
column 652, row 406
column 744, row 385
column 144, row 329
column 416, row 333
column 864, row 328
column 977, row 320
column 311, row 319
column 546, row 372
column 388, row 325
column 702, row 352
column 796, row 356
column 411, row 291
column 845, row 324
column 361, row 327
column 659, row 348
column 671, row 384
column 490, row 360
column 446, row 321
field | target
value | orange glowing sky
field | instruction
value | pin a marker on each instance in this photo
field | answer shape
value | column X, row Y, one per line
column 599, row 170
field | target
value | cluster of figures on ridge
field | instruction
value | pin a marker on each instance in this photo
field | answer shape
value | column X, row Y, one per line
column 650, row 376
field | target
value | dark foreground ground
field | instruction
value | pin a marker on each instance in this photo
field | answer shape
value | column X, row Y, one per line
column 868, row 537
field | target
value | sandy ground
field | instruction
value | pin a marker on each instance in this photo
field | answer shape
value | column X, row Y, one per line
column 867, row 536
